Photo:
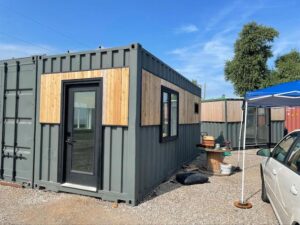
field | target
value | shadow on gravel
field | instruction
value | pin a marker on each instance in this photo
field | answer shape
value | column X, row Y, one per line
column 171, row 184
column 252, row 195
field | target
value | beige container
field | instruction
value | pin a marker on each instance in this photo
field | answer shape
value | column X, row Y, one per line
column 208, row 141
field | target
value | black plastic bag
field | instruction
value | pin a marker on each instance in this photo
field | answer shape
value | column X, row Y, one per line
column 190, row 178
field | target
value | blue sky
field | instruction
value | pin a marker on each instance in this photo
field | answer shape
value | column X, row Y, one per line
column 194, row 37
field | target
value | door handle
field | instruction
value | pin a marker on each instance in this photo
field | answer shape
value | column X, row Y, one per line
column 274, row 172
column 294, row 190
column 70, row 141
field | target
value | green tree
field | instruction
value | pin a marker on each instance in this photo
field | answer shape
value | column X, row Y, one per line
column 195, row 82
column 248, row 69
column 287, row 68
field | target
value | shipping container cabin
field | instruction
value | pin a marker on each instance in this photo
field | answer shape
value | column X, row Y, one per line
column 221, row 118
column 110, row 123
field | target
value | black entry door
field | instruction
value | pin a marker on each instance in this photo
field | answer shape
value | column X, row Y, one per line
column 82, row 134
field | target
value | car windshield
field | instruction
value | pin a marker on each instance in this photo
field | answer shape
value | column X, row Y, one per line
column 281, row 150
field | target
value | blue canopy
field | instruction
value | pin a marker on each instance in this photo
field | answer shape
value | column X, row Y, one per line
column 285, row 94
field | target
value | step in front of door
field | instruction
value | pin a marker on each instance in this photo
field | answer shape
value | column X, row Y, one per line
column 81, row 187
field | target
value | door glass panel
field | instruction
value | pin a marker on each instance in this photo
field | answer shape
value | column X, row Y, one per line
column 262, row 126
column 165, row 115
column 83, row 131
column 251, row 127
column 174, row 107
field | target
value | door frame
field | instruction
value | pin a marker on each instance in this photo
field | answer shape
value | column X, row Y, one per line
column 62, row 128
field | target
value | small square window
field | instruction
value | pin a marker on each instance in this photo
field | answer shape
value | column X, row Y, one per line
column 196, row 108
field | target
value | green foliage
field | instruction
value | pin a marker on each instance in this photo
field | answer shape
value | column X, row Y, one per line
column 195, row 82
column 287, row 68
column 248, row 69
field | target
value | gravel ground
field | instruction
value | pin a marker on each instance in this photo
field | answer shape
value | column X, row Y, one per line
column 170, row 203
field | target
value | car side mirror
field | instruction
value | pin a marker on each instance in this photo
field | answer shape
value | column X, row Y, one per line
column 265, row 152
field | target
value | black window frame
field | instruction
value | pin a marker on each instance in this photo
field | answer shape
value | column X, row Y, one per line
column 169, row 137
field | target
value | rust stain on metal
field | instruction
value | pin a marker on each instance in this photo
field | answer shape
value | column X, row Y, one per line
column 4, row 183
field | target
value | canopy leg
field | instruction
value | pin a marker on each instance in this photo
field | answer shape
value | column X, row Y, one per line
column 242, row 203
column 240, row 138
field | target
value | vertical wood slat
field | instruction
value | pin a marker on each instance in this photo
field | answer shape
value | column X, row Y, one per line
column 151, row 91
column 234, row 109
column 115, row 95
column 213, row 111
column 124, row 96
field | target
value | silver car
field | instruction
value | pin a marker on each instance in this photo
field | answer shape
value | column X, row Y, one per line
column 280, row 173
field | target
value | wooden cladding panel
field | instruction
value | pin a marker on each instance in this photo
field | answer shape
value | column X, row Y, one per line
column 115, row 95
column 277, row 114
column 213, row 111
column 234, row 110
column 151, row 91
column 150, row 97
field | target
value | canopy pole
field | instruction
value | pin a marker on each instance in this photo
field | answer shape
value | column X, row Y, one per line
column 244, row 152
column 240, row 138
column 242, row 203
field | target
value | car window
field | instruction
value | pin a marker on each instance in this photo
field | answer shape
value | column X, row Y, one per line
column 281, row 150
column 294, row 158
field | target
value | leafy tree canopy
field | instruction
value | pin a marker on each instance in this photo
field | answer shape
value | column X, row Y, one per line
column 287, row 68
column 248, row 69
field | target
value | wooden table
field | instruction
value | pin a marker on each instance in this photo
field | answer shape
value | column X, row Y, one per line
column 214, row 159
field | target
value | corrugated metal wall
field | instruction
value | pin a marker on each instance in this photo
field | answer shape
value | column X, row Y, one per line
column 89, row 60
column 277, row 131
column 47, row 153
column 116, row 160
column 17, row 104
column 216, row 129
column 158, row 160
column 233, row 129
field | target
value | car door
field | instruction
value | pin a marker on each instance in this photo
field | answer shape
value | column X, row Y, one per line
column 273, row 165
column 288, row 186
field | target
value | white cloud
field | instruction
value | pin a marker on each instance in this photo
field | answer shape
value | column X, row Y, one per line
column 287, row 42
column 9, row 50
column 205, row 63
column 221, row 15
column 205, row 60
column 189, row 28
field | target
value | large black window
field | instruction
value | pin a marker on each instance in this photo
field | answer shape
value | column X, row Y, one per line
column 169, row 114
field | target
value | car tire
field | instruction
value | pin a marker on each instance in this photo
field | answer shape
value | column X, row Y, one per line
column 264, row 196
